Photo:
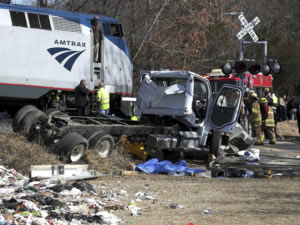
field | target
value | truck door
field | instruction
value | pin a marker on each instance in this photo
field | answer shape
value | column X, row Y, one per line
column 226, row 107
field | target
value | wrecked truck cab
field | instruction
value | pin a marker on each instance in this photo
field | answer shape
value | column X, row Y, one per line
column 183, row 95
column 199, row 120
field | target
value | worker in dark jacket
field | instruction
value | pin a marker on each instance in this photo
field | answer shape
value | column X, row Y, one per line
column 97, row 31
column 292, row 108
column 81, row 97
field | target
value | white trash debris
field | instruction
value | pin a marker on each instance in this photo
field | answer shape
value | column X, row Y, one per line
column 109, row 218
column 6, row 191
column 75, row 192
column 139, row 194
column 241, row 153
column 53, row 201
column 206, row 211
column 149, row 197
column 176, row 206
column 252, row 155
column 64, row 193
column 123, row 193
column 134, row 210
column 30, row 205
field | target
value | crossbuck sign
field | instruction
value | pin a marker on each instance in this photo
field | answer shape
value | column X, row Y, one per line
column 248, row 28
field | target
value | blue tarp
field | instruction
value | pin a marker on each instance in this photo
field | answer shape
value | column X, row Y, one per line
column 166, row 167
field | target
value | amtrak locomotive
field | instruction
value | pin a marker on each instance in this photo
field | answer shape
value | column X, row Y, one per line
column 45, row 53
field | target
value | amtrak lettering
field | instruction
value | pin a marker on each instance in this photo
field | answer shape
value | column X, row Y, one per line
column 70, row 43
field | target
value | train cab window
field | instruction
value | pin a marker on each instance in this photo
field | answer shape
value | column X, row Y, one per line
column 18, row 19
column 112, row 30
column 39, row 21
column 121, row 30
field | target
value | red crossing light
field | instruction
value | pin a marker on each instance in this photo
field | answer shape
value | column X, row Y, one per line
column 254, row 68
column 240, row 67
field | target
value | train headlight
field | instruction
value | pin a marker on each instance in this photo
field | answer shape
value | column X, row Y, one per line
column 240, row 67
column 227, row 68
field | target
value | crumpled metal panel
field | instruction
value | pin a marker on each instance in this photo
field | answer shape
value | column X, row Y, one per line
column 174, row 100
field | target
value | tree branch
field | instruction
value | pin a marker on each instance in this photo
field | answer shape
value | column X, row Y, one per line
column 81, row 5
column 150, row 28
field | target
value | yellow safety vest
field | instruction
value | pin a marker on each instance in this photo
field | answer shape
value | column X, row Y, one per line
column 103, row 98
column 255, row 115
column 134, row 118
column 275, row 101
column 270, row 122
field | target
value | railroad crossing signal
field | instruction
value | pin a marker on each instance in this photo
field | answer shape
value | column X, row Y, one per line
column 248, row 28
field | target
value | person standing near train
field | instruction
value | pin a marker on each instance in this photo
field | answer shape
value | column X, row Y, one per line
column 81, row 97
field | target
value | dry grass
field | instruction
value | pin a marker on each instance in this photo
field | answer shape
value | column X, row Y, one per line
column 288, row 128
column 17, row 153
column 119, row 159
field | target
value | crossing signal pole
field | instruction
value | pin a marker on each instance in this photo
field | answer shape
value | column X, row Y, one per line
column 247, row 28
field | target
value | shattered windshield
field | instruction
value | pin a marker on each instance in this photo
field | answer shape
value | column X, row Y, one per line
column 167, row 82
column 200, row 90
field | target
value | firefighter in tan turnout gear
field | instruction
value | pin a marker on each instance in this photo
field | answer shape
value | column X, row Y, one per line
column 255, row 119
column 268, row 121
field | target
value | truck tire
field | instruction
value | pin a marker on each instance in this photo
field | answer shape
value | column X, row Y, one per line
column 53, row 111
column 103, row 143
column 91, row 133
column 20, row 115
column 31, row 124
column 73, row 146
column 160, row 155
column 215, row 143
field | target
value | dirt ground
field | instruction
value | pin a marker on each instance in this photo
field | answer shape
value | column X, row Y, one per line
column 231, row 201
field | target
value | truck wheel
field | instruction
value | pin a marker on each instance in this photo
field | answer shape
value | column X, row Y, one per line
column 215, row 143
column 91, row 133
column 103, row 144
column 160, row 155
column 73, row 146
column 32, row 123
column 53, row 111
column 20, row 115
